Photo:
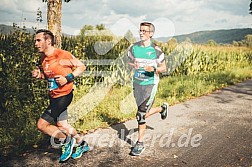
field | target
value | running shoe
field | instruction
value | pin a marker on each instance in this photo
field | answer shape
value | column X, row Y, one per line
column 67, row 150
column 164, row 111
column 80, row 150
column 137, row 149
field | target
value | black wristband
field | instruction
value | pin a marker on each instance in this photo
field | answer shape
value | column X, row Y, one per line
column 69, row 77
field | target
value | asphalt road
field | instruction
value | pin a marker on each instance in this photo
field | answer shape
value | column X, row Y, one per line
column 212, row 131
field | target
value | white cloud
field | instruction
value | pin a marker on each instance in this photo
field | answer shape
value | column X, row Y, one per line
column 183, row 16
column 8, row 6
column 30, row 6
column 21, row 12
column 164, row 27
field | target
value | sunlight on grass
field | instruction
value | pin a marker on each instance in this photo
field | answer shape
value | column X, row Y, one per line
column 172, row 89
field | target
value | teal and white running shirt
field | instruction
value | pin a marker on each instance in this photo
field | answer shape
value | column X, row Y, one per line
column 151, row 55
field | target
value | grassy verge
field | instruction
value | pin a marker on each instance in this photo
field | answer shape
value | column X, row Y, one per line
column 118, row 105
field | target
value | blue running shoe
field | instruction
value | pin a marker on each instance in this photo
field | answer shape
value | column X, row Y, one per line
column 80, row 150
column 67, row 150
column 137, row 149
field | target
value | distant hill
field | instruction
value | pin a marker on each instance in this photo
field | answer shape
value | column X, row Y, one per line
column 219, row 36
column 5, row 29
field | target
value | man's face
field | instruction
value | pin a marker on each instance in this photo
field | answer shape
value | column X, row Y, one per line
column 40, row 42
column 145, row 33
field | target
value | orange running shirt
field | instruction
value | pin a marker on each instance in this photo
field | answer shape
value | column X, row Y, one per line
column 60, row 63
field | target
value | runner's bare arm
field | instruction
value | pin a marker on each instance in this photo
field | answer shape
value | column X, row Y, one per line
column 78, row 69
column 161, row 67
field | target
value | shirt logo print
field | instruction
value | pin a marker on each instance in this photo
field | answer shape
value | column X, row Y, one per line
column 149, row 53
column 47, row 66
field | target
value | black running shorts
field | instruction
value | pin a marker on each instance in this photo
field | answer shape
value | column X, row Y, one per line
column 57, row 110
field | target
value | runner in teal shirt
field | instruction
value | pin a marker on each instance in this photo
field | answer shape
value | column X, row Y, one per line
column 148, row 61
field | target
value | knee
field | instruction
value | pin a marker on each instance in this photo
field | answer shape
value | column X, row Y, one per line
column 140, row 116
column 64, row 126
column 41, row 125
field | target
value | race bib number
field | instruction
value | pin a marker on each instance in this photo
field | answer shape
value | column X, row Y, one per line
column 52, row 84
column 141, row 75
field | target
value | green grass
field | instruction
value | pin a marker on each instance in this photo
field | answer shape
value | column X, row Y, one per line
column 173, row 89
column 181, row 88
column 108, row 111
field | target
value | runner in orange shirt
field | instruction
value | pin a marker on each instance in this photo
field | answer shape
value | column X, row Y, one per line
column 59, row 68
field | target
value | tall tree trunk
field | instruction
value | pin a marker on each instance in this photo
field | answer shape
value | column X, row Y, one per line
column 54, row 8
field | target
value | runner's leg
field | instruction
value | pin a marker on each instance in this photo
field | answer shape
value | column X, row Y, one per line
column 69, row 130
column 50, row 129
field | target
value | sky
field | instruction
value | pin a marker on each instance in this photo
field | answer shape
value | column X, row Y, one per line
column 170, row 17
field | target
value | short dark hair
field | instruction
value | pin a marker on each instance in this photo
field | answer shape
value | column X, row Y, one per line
column 150, row 25
column 47, row 34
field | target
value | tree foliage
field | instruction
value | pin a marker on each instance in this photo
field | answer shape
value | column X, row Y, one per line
column 21, row 102
column 211, row 42
column 248, row 40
